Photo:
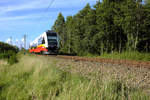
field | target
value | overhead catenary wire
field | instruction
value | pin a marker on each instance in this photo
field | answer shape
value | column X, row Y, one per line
column 43, row 15
column 46, row 10
column 52, row 1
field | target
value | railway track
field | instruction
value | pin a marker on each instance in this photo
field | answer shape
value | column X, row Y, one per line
column 132, row 63
column 134, row 73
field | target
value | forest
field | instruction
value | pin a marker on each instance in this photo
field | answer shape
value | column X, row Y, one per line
column 106, row 27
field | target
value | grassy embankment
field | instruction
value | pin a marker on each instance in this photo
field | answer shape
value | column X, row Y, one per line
column 125, row 55
column 38, row 78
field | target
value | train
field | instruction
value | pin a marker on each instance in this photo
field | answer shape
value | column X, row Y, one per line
column 47, row 43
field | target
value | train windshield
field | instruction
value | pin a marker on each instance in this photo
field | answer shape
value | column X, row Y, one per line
column 52, row 42
column 49, row 33
column 52, row 38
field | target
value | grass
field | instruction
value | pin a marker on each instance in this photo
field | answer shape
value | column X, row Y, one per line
column 38, row 78
column 133, row 55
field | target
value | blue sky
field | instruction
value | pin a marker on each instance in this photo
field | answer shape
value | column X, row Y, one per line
column 31, row 17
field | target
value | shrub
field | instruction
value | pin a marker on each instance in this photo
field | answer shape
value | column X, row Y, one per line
column 12, row 59
column 8, row 52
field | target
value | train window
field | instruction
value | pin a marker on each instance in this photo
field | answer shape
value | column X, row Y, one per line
column 52, row 40
column 39, row 41
column 51, row 34
column 43, row 41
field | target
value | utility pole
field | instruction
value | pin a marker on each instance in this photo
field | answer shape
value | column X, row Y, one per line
column 25, row 41
column 69, row 42
column 11, row 40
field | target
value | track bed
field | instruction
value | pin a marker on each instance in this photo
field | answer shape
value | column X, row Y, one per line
column 132, row 74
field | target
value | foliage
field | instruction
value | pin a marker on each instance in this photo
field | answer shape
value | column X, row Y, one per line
column 4, row 47
column 59, row 27
column 12, row 59
column 8, row 52
column 131, row 55
column 109, row 26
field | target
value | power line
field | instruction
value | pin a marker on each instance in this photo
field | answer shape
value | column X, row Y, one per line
column 50, row 4
column 52, row 1
column 44, row 12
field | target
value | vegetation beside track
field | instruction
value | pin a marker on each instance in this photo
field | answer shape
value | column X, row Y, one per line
column 37, row 77
column 128, row 55
column 133, row 55
column 8, row 52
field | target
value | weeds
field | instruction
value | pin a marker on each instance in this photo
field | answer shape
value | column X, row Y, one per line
column 37, row 78
column 130, row 55
column 12, row 59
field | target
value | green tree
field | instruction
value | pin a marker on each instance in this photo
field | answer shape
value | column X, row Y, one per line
column 147, row 2
column 109, row 26
column 59, row 27
column 82, row 22
column 70, row 40
column 144, row 42
column 132, row 25
column 109, row 19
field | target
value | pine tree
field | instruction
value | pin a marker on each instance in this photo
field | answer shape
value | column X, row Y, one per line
column 109, row 26
column 59, row 27
column 70, row 40
column 144, row 42
column 133, row 23
column 147, row 2
column 81, row 26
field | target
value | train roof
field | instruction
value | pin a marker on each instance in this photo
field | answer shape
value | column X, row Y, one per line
column 48, row 33
column 36, row 40
column 51, row 33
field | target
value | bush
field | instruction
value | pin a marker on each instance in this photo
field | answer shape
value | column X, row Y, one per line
column 12, row 59
column 4, row 48
column 8, row 52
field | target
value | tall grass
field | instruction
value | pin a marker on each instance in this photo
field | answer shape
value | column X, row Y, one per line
column 38, row 78
column 129, row 55
column 132, row 55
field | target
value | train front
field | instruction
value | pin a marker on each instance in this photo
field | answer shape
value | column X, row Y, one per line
column 53, row 42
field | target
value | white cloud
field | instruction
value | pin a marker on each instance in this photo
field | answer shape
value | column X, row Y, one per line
column 28, row 5
column 8, row 40
column 17, row 41
column 40, row 16
column 36, row 4
column 22, row 40
column 20, row 17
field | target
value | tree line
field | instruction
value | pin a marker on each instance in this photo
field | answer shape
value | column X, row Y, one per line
column 108, row 26
column 5, row 47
